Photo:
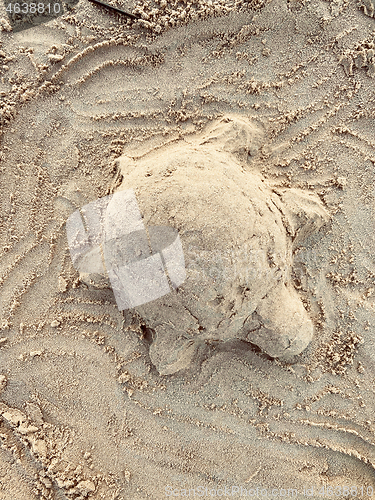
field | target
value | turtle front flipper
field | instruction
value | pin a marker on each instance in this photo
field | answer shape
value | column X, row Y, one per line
column 302, row 211
column 285, row 328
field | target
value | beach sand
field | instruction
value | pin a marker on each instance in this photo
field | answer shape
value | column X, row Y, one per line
column 84, row 412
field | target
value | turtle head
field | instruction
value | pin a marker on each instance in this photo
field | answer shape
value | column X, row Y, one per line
column 234, row 134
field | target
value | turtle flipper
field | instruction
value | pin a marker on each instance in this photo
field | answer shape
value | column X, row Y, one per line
column 171, row 353
column 302, row 212
column 285, row 327
column 175, row 333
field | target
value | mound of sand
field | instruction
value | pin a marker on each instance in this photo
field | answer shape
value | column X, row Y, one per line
column 84, row 412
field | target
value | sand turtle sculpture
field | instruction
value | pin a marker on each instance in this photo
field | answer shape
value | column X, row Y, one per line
column 238, row 235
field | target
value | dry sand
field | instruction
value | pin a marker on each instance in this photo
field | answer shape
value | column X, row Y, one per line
column 84, row 412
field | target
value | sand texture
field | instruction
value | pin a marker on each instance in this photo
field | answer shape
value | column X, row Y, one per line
column 244, row 126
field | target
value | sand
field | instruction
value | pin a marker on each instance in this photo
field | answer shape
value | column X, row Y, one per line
column 84, row 411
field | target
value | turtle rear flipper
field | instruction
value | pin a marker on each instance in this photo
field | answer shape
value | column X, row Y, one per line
column 170, row 353
column 285, row 327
